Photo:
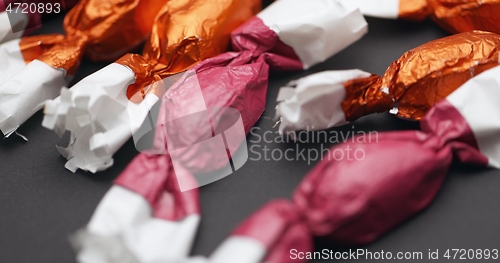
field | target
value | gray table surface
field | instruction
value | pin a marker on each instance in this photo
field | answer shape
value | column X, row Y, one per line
column 41, row 203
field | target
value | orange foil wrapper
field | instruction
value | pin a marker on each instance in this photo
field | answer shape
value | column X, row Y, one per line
column 462, row 15
column 34, row 46
column 423, row 76
column 410, row 87
column 185, row 33
column 101, row 30
column 455, row 16
column 416, row 10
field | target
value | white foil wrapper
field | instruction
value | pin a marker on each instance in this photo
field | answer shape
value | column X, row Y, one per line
column 388, row 9
column 315, row 31
column 484, row 90
column 12, row 60
column 123, row 230
column 99, row 116
column 24, row 94
column 314, row 102
column 18, row 20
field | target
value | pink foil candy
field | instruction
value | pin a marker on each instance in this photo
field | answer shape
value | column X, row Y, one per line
column 205, row 116
column 387, row 179
column 231, row 88
column 157, row 216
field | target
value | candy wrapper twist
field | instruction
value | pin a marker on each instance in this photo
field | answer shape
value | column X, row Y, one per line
column 98, row 112
column 205, row 116
column 95, row 29
column 354, row 201
column 411, row 85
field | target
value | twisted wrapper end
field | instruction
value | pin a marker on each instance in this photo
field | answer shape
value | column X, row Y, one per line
column 144, row 217
column 99, row 117
column 315, row 102
column 134, row 234
column 25, row 93
column 12, row 60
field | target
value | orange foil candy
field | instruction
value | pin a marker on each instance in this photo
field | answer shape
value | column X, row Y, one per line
column 101, row 30
column 423, row 76
column 185, row 33
column 410, row 87
column 416, row 10
column 34, row 46
column 455, row 16
column 462, row 16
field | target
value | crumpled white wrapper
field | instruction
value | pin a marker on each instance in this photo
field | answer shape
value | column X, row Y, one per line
column 123, row 230
column 315, row 31
column 19, row 21
column 12, row 60
column 99, row 116
column 314, row 102
column 484, row 90
column 24, row 94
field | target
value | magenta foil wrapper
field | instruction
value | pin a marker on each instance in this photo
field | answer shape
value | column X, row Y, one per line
column 220, row 91
column 354, row 201
column 205, row 115
column 230, row 81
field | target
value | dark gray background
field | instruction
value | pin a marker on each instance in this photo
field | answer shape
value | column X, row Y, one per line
column 41, row 203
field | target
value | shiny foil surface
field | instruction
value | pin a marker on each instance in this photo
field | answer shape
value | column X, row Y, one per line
column 185, row 33
column 423, row 76
column 415, row 10
column 34, row 46
column 466, row 15
column 102, row 30
column 353, row 202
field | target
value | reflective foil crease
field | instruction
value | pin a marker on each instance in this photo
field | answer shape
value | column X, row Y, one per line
column 102, row 31
column 176, row 45
column 354, row 201
column 455, row 16
column 411, row 86
column 96, row 29
column 204, row 117
column 184, row 33
column 26, row 23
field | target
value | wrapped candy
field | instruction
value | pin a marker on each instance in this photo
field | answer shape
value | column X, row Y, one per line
column 139, row 215
column 411, row 86
column 183, row 35
column 288, row 45
column 364, row 188
column 99, row 31
column 455, row 16
column 15, row 54
column 14, row 24
column 205, row 116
